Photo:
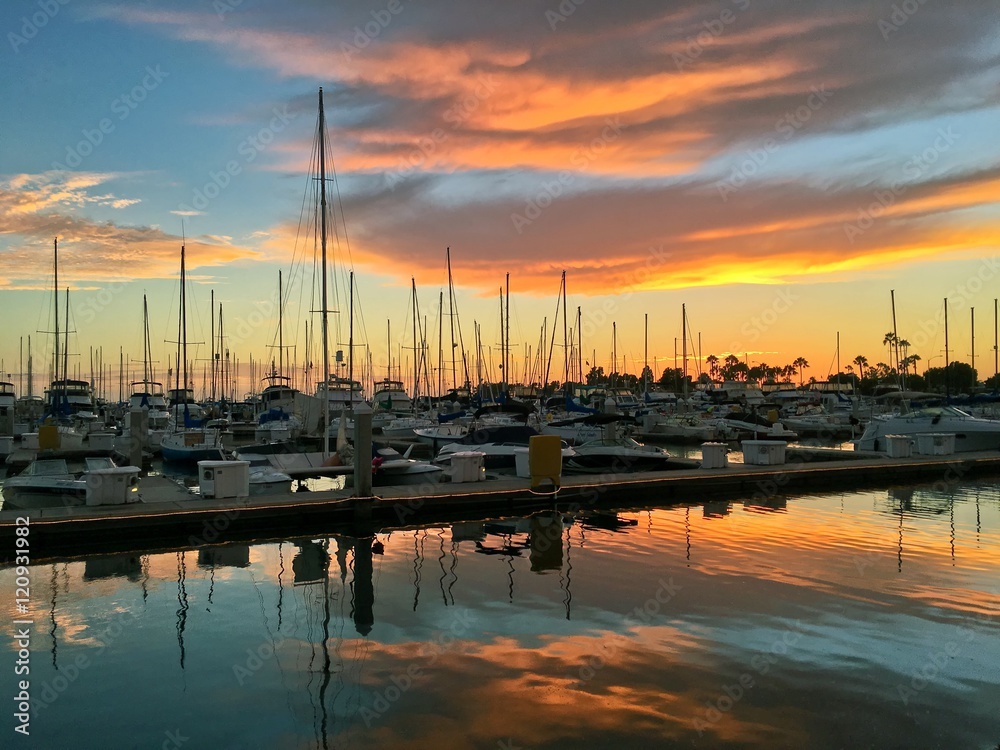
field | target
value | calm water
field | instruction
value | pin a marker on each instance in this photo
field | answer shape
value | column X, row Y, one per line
column 864, row 619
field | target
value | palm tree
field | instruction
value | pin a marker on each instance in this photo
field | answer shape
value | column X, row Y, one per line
column 801, row 363
column 905, row 346
column 862, row 362
column 713, row 365
column 890, row 341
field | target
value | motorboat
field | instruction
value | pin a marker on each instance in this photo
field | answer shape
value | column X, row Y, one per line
column 56, row 482
column 617, row 455
column 264, row 478
column 390, row 467
column 441, row 434
column 971, row 433
column 499, row 445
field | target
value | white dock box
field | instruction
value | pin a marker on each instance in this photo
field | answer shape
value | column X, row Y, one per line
column 936, row 443
column 898, row 446
column 713, row 456
column 114, row 486
column 522, row 464
column 467, row 466
column 764, row 452
column 29, row 441
column 6, row 445
column 224, row 479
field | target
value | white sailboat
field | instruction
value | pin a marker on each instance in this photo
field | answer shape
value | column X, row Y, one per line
column 185, row 443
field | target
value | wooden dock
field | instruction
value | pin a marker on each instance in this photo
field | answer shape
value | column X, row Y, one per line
column 171, row 517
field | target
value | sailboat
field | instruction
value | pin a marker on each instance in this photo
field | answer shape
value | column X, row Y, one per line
column 186, row 443
column 276, row 421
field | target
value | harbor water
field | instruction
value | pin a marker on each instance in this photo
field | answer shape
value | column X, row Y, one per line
column 844, row 620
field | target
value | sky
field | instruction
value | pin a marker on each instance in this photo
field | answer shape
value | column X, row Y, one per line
column 782, row 170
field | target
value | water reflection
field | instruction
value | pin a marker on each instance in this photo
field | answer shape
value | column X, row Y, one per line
column 658, row 628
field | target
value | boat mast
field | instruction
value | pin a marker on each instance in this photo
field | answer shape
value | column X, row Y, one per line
column 323, row 311
column 972, row 311
column 684, row 350
column 506, row 348
column 947, row 379
column 350, row 342
column 579, row 339
column 645, row 352
column 55, row 296
column 184, row 337
column 440, row 342
column 416, row 364
column 565, row 336
column 211, row 316
column 900, row 378
column 451, row 318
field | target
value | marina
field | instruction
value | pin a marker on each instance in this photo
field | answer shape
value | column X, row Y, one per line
column 532, row 376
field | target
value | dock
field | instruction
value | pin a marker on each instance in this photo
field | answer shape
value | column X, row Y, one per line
column 172, row 517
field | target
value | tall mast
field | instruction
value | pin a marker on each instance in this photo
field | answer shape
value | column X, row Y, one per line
column 323, row 312
column 565, row 336
column 684, row 350
column 184, row 334
column 451, row 317
column 947, row 378
column 350, row 341
column 145, row 342
column 416, row 364
column 901, row 379
column 645, row 352
column 211, row 316
column 55, row 265
column 972, row 311
column 440, row 342
column 281, row 333
column 506, row 348
column 579, row 341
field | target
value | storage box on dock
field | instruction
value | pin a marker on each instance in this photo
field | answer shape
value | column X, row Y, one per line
column 898, row 446
column 224, row 479
column 764, row 452
column 714, row 455
column 468, row 466
column 936, row 443
column 115, row 486
column 29, row 441
column 522, row 462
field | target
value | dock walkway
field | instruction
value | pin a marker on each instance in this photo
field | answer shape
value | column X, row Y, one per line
column 170, row 516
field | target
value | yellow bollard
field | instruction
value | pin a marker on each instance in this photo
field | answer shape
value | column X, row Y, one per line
column 545, row 460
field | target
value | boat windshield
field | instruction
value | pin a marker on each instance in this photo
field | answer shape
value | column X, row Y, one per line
column 93, row 464
column 931, row 412
column 48, row 467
